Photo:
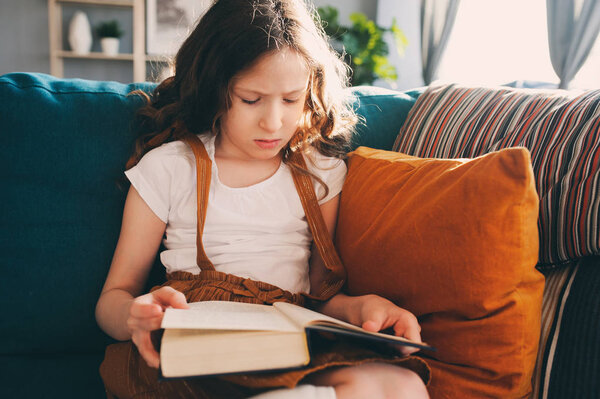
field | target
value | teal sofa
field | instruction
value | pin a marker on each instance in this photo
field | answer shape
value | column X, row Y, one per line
column 64, row 146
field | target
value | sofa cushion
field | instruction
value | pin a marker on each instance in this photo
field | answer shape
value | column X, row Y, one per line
column 562, row 131
column 569, row 359
column 381, row 113
column 456, row 243
column 64, row 146
column 57, row 376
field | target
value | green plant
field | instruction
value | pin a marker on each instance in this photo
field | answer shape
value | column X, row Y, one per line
column 362, row 45
column 109, row 29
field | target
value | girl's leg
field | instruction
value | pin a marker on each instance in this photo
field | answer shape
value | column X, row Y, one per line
column 304, row 391
column 372, row 380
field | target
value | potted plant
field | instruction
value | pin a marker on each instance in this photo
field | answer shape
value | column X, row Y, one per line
column 109, row 33
column 362, row 45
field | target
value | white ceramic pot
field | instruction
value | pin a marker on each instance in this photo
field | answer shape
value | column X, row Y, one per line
column 80, row 33
column 110, row 45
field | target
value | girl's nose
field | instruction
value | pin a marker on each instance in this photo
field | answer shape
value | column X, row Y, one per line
column 271, row 118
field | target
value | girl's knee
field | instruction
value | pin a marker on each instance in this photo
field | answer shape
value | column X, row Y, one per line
column 407, row 384
column 373, row 380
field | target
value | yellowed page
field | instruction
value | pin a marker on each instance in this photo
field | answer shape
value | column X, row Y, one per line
column 222, row 315
column 304, row 316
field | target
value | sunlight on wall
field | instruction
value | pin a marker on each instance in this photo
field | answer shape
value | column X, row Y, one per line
column 496, row 42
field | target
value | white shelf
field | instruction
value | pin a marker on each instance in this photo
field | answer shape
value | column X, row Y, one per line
column 138, row 57
column 96, row 56
column 101, row 3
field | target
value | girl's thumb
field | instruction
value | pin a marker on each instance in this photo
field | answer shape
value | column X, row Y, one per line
column 371, row 325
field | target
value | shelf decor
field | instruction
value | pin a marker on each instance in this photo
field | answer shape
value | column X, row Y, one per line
column 80, row 33
column 109, row 33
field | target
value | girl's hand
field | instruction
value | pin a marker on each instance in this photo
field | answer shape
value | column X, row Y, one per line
column 377, row 313
column 145, row 315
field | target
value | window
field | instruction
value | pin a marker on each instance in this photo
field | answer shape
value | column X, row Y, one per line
column 495, row 42
column 588, row 76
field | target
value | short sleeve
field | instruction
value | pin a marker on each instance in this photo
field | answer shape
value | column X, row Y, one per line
column 152, row 180
column 332, row 171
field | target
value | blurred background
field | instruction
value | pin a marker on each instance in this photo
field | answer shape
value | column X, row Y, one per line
column 486, row 42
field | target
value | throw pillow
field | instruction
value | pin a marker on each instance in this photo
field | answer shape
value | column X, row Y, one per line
column 456, row 243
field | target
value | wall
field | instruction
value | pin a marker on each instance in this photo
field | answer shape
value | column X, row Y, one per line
column 24, row 36
column 347, row 7
column 408, row 66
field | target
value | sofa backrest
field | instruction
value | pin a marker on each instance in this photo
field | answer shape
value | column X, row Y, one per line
column 64, row 146
column 381, row 113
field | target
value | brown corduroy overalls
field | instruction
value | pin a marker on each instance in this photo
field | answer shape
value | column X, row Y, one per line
column 126, row 374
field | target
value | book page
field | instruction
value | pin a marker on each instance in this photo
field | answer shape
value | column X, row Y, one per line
column 223, row 315
column 305, row 316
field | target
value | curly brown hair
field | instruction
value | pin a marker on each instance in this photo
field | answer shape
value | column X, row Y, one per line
column 230, row 38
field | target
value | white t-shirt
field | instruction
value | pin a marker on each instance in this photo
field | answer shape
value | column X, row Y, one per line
column 258, row 232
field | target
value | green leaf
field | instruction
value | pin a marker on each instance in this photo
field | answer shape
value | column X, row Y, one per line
column 358, row 19
column 384, row 69
column 363, row 42
column 329, row 21
column 399, row 38
column 351, row 44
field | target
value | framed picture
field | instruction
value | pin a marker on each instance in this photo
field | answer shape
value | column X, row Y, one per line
column 168, row 23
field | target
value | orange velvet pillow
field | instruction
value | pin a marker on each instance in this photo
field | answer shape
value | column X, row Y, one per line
column 456, row 243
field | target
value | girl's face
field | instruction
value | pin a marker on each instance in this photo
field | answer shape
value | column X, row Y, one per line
column 267, row 103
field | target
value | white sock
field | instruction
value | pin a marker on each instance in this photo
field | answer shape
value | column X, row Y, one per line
column 304, row 391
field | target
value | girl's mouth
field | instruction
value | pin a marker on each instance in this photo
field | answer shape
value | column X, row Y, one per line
column 267, row 144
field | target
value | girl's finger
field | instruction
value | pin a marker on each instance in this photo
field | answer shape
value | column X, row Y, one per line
column 412, row 333
column 150, row 324
column 145, row 309
column 407, row 350
column 146, row 349
column 374, row 320
column 145, row 323
column 167, row 296
column 408, row 327
column 372, row 325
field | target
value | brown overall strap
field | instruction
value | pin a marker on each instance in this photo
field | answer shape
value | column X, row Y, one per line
column 203, row 175
column 335, row 276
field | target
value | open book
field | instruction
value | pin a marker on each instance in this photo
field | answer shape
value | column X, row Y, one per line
column 217, row 337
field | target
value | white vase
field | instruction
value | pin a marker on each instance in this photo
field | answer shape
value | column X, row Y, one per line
column 110, row 45
column 80, row 33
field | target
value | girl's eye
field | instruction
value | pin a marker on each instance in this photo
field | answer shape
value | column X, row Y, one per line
column 250, row 101
column 290, row 101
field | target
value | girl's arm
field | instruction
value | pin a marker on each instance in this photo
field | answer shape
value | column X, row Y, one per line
column 120, row 312
column 371, row 312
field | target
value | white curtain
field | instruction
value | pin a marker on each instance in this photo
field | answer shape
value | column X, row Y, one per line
column 572, row 31
column 437, row 20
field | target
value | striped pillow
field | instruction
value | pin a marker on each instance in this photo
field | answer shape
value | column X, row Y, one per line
column 560, row 129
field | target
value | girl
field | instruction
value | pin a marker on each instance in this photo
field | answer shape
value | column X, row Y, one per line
column 221, row 174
